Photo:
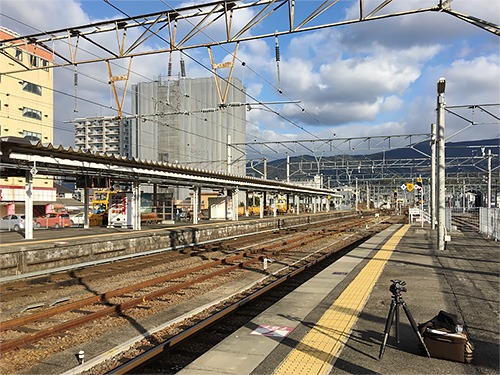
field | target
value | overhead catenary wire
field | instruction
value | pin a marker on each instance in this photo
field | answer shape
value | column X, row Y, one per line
column 219, row 77
column 182, row 130
column 243, row 63
column 91, row 76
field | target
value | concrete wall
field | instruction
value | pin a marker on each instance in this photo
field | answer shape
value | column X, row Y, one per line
column 41, row 257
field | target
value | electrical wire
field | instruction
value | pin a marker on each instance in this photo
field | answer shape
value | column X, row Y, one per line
column 277, row 89
column 103, row 106
column 227, row 82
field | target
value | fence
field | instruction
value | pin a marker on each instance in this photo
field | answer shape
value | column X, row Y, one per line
column 489, row 222
column 462, row 219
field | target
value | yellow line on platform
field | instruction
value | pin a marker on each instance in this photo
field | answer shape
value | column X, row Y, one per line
column 317, row 350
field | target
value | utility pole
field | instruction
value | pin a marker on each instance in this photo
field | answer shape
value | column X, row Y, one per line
column 489, row 179
column 229, row 155
column 441, row 163
column 287, row 168
column 356, row 193
column 433, row 177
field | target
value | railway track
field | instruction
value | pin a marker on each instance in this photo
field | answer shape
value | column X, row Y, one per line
column 36, row 285
column 115, row 307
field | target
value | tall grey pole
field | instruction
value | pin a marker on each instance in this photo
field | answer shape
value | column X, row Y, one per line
column 441, row 163
column 367, row 196
column 489, row 180
column 28, row 204
column 287, row 169
column 433, row 176
column 356, row 192
column 229, row 155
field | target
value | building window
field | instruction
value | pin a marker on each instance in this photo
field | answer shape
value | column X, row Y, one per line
column 19, row 54
column 45, row 65
column 33, row 60
column 31, row 87
column 32, row 113
column 32, row 136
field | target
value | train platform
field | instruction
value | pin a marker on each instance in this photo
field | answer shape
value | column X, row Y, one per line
column 334, row 323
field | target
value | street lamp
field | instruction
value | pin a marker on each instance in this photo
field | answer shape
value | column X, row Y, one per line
column 440, row 163
column 441, row 85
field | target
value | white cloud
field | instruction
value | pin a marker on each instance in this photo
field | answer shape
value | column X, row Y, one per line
column 342, row 76
column 474, row 81
column 391, row 103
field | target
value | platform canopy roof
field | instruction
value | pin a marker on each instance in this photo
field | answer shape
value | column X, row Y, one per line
column 46, row 159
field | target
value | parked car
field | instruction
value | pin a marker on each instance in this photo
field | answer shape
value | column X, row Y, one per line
column 53, row 220
column 14, row 222
column 78, row 219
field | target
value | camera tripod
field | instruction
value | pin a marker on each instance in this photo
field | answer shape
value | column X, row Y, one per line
column 396, row 288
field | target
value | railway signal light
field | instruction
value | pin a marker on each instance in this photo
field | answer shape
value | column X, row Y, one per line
column 395, row 193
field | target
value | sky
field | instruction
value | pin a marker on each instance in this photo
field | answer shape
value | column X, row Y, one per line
column 374, row 78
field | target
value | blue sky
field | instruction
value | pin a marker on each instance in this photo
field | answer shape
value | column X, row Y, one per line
column 375, row 78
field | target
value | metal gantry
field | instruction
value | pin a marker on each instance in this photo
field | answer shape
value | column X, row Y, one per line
column 188, row 27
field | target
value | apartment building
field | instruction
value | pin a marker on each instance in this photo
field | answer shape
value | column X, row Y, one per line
column 104, row 135
column 26, row 111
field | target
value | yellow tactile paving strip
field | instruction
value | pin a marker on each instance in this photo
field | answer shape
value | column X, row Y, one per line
column 317, row 350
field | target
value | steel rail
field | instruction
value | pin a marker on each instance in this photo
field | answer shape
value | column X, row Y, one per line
column 141, row 359
column 119, row 308
column 108, row 295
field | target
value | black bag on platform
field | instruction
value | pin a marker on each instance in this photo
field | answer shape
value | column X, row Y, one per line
column 446, row 339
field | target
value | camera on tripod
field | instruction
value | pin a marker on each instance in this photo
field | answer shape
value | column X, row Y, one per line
column 397, row 287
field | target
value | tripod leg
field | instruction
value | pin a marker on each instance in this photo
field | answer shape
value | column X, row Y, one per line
column 397, row 322
column 387, row 329
column 415, row 328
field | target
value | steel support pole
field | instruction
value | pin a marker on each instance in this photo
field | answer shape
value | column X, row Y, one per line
column 136, row 206
column 246, row 203
column 367, row 196
column 357, row 196
column 28, row 206
column 261, row 201
column 287, row 169
column 195, row 205
column 441, row 164
column 433, row 177
column 235, row 204
column 86, row 204
column 489, row 180
column 229, row 155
